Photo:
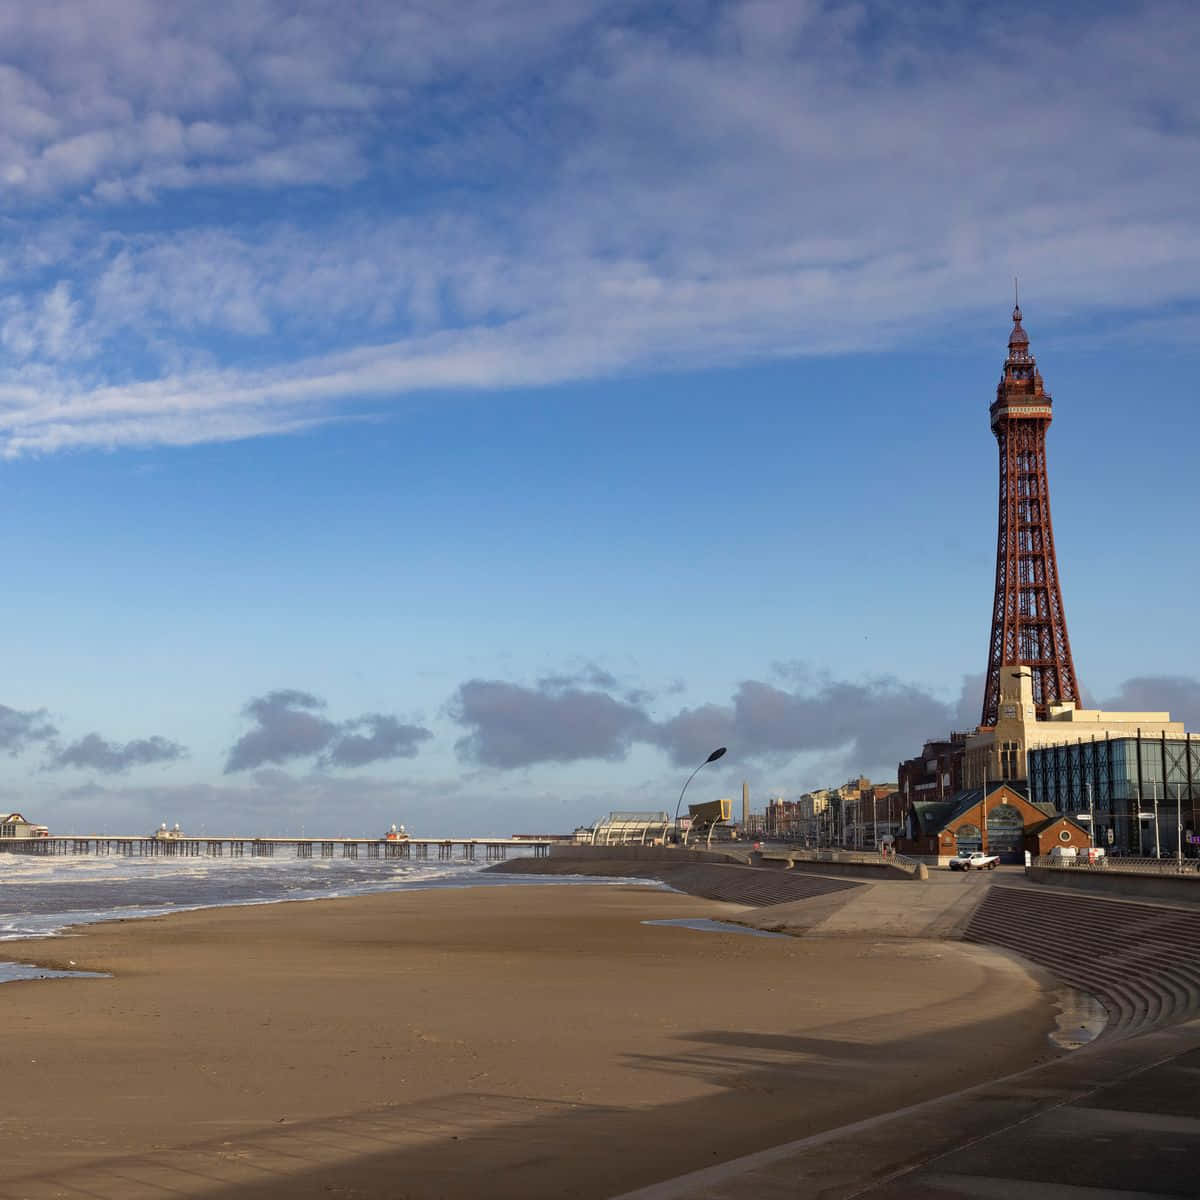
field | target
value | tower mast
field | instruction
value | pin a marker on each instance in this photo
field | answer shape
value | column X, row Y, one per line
column 1029, row 624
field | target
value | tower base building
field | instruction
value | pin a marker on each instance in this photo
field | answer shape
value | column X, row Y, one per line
column 999, row 752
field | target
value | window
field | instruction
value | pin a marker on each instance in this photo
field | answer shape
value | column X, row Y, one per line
column 1004, row 829
column 1008, row 760
column 1064, row 835
column 968, row 839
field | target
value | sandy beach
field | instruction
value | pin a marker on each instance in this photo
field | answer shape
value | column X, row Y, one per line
column 529, row 1041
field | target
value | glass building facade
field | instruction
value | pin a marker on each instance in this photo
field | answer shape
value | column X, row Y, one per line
column 1122, row 783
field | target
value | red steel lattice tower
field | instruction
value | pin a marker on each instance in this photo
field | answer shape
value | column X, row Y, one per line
column 1029, row 625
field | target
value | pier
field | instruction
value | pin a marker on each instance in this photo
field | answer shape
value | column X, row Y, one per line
column 448, row 849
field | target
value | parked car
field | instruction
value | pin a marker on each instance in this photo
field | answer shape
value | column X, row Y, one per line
column 974, row 861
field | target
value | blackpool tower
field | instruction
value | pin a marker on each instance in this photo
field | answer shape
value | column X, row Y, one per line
column 1029, row 624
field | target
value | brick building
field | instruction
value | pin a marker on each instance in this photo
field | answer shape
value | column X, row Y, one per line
column 1002, row 821
column 937, row 772
column 783, row 820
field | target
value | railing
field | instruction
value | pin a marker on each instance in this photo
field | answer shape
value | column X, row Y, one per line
column 1119, row 864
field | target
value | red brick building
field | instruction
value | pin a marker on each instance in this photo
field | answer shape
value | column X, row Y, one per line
column 1003, row 822
column 936, row 773
column 1056, row 831
column 784, row 819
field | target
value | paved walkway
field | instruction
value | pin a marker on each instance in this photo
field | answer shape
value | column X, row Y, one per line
column 936, row 907
column 1119, row 1119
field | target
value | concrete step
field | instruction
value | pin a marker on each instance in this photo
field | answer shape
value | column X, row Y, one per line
column 1142, row 961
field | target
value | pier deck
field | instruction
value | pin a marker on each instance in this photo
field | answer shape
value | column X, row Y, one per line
column 466, row 849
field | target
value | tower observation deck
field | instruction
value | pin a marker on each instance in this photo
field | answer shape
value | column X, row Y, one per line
column 1029, row 625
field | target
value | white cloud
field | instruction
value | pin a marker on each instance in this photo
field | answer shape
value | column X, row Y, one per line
column 523, row 193
column 45, row 328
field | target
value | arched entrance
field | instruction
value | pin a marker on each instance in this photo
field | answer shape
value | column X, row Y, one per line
column 967, row 839
column 1005, row 827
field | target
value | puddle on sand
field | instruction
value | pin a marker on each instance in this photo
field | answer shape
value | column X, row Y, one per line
column 11, row 972
column 704, row 925
column 1080, row 1019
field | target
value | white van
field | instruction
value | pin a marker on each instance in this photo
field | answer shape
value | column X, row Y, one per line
column 1063, row 856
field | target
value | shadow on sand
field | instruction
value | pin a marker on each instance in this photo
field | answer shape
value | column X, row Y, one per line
column 758, row 1090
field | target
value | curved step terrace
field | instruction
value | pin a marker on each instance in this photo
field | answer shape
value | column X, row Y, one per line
column 1142, row 961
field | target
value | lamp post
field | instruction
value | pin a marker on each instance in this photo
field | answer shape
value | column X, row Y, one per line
column 1178, row 828
column 1148, row 816
column 1157, row 846
column 983, row 814
column 1090, row 816
column 720, row 750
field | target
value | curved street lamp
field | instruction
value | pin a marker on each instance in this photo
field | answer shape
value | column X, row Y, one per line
column 710, row 759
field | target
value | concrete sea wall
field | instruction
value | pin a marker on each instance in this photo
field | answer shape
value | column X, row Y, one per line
column 1112, row 881
column 658, row 854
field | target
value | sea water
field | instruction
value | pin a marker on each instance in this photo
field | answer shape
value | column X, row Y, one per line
column 41, row 896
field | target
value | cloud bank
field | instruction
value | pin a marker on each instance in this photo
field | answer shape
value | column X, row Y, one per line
column 514, row 726
column 21, row 730
column 289, row 724
column 862, row 725
column 588, row 713
column 840, row 727
column 874, row 723
column 94, row 753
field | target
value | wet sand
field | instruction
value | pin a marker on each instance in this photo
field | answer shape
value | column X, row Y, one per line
column 490, row 1042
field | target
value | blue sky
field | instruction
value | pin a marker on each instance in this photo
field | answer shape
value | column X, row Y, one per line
column 471, row 415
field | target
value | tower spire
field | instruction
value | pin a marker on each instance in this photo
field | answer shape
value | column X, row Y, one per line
column 1029, row 625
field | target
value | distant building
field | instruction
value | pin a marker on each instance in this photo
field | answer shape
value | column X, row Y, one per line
column 843, row 816
column 937, row 772
column 877, row 813
column 858, row 809
column 755, row 825
column 628, row 829
column 806, row 819
column 814, row 805
column 784, row 820
column 13, row 825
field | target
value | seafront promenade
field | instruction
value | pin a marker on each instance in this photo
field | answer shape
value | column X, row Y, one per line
column 1118, row 1116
